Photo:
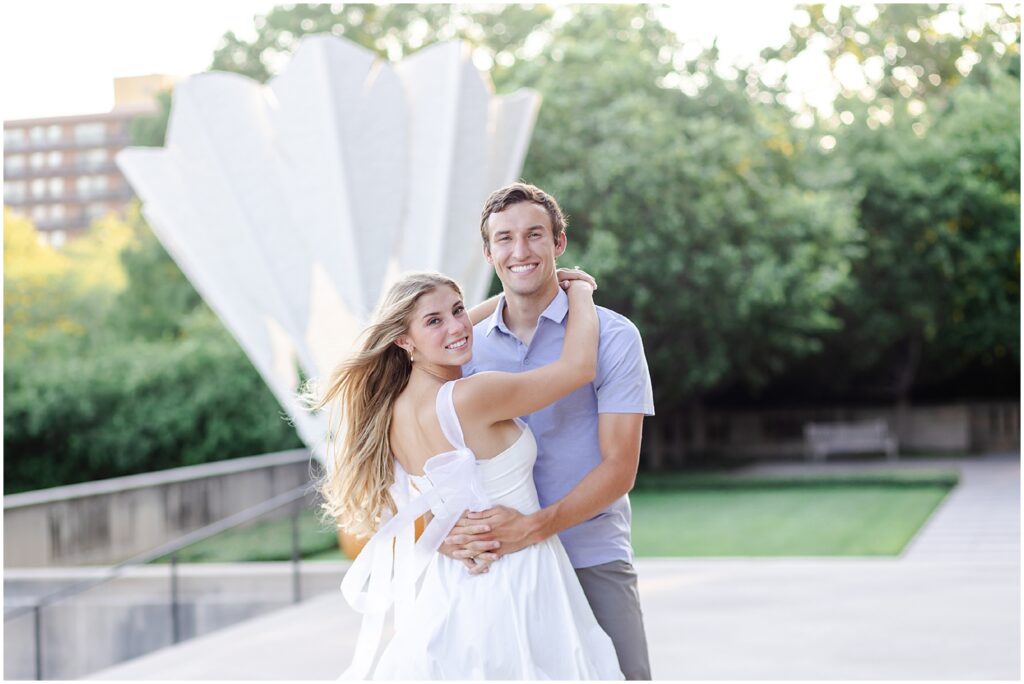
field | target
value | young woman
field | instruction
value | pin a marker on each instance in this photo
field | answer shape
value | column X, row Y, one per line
column 414, row 438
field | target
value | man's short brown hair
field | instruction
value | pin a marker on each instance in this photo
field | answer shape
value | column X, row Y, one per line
column 502, row 199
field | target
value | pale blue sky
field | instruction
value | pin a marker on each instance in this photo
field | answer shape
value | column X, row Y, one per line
column 61, row 57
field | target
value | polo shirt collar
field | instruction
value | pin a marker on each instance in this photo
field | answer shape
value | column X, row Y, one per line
column 556, row 311
column 558, row 308
column 497, row 320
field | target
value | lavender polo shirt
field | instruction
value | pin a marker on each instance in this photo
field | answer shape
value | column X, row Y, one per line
column 566, row 431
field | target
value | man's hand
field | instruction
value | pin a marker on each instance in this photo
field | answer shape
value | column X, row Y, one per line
column 509, row 528
column 463, row 544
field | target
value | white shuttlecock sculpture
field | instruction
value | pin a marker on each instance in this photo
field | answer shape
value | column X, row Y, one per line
column 292, row 206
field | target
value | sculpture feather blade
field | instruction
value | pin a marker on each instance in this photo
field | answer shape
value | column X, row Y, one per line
column 291, row 206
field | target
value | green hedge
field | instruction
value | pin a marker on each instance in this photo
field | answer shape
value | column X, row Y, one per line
column 133, row 407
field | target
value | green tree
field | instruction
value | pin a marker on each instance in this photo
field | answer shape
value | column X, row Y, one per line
column 150, row 131
column 692, row 196
column 875, row 248
column 901, row 51
column 54, row 301
column 686, row 208
column 137, row 406
column 940, row 206
column 929, row 144
column 158, row 298
column 392, row 31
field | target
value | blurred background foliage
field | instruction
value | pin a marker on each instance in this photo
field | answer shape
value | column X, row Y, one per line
column 113, row 365
column 772, row 246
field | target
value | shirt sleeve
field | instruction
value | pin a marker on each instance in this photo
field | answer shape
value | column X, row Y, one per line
column 623, row 383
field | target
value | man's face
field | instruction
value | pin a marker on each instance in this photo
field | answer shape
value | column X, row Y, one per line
column 522, row 248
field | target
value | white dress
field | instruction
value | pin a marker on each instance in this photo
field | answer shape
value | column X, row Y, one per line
column 527, row 618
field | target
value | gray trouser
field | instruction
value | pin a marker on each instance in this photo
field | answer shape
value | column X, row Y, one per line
column 613, row 596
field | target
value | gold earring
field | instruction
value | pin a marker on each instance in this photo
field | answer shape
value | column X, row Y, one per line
column 411, row 359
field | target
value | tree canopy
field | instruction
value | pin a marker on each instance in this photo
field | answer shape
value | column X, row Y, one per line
column 768, row 246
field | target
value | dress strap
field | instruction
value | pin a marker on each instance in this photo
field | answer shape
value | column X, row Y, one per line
column 447, row 417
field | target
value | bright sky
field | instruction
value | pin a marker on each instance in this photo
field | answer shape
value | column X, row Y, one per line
column 61, row 57
column 743, row 30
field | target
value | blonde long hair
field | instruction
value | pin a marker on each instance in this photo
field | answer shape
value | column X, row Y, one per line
column 361, row 394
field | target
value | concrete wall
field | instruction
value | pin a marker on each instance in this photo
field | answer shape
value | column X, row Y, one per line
column 778, row 433
column 107, row 521
column 994, row 426
column 131, row 616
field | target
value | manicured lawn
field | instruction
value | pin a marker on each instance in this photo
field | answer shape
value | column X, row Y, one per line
column 872, row 514
column 264, row 541
column 781, row 521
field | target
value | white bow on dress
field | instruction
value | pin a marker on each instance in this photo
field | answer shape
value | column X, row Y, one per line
column 387, row 569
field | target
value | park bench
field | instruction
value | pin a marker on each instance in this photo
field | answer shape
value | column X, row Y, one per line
column 822, row 439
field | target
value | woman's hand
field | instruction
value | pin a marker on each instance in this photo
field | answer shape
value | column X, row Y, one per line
column 580, row 289
column 567, row 275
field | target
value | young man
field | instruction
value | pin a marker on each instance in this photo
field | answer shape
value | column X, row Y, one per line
column 588, row 443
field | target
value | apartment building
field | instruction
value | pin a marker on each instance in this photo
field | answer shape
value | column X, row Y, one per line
column 60, row 171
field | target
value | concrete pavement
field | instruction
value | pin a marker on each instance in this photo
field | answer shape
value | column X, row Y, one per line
column 949, row 608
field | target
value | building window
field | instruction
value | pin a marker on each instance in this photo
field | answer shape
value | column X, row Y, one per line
column 89, row 186
column 15, row 163
column 57, row 212
column 90, row 132
column 56, row 187
column 95, row 210
column 54, row 133
column 37, row 160
column 54, row 159
column 38, row 187
column 37, row 134
column 38, row 213
column 58, row 238
column 14, row 137
column 93, row 159
column 14, row 191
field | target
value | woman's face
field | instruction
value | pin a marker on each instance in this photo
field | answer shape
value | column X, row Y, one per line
column 440, row 331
